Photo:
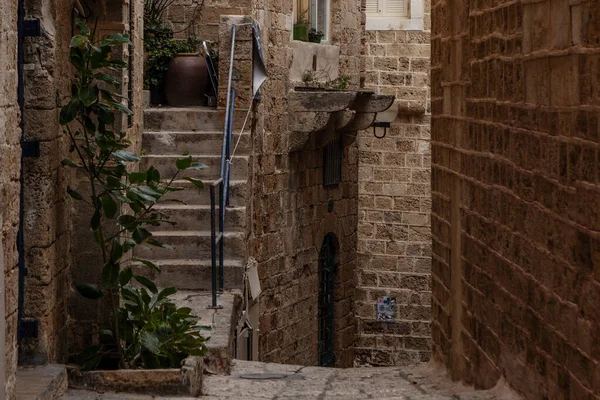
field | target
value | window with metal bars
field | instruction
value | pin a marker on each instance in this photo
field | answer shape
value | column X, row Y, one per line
column 332, row 163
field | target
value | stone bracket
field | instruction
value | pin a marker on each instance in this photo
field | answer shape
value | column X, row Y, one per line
column 313, row 110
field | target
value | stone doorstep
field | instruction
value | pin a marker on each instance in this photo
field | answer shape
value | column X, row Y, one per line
column 222, row 324
column 186, row 381
column 46, row 382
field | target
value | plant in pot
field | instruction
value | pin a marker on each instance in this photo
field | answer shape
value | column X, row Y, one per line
column 315, row 36
column 186, row 79
column 301, row 27
column 145, row 328
column 158, row 35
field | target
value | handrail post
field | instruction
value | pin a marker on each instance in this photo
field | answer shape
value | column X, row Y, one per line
column 221, row 242
column 213, row 249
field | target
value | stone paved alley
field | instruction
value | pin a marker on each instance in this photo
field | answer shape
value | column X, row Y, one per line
column 304, row 383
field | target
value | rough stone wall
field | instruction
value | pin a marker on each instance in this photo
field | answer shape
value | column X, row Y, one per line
column 394, row 234
column 10, row 153
column 515, row 221
column 46, row 208
column 288, row 215
column 202, row 17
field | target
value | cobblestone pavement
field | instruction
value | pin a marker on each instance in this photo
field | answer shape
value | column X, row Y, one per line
column 289, row 382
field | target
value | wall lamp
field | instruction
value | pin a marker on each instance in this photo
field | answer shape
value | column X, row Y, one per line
column 384, row 120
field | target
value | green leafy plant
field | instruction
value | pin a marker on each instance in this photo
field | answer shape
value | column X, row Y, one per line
column 158, row 45
column 146, row 329
column 154, row 11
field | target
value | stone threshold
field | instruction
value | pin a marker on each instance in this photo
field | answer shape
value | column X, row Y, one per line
column 46, row 382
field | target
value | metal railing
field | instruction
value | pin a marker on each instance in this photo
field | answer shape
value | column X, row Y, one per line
column 222, row 187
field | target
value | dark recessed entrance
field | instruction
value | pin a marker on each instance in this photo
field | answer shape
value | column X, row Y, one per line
column 327, row 270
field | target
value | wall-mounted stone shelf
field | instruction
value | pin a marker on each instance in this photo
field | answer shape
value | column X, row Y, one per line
column 319, row 110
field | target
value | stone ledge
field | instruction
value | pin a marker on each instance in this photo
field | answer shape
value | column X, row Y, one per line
column 171, row 382
column 315, row 110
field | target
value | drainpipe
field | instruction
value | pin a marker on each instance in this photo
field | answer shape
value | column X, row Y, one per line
column 21, row 100
column 28, row 149
column 2, row 320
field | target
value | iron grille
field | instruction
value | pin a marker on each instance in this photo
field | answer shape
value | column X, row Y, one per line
column 332, row 163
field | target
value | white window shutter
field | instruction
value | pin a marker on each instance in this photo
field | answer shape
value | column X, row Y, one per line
column 372, row 7
column 395, row 8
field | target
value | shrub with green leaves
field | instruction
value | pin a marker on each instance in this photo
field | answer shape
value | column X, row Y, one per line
column 146, row 327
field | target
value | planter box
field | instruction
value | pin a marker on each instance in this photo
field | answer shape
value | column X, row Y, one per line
column 186, row 381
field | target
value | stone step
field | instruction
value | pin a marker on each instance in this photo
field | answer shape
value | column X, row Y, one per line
column 195, row 196
column 194, row 217
column 166, row 165
column 46, row 382
column 190, row 119
column 191, row 245
column 183, row 143
column 222, row 322
column 194, row 274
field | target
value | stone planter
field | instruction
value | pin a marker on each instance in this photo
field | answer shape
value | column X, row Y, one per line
column 186, row 80
column 186, row 381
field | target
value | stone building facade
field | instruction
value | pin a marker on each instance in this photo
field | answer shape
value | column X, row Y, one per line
column 394, row 234
column 10, row 170
column 291, row 210
column 515, row 220
column 40, row 205
column 201, row 18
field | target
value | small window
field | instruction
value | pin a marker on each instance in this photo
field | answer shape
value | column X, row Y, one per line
column 333, row 155
column 383, row 15
column 386, row 8
column 314, row 13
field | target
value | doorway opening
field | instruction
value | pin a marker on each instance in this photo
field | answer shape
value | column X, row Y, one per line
column 327, row 271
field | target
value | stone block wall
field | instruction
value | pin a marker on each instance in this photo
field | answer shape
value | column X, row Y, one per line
column 47, row 221
column 288, row 214
column 394, row 234
column 10, row 154
column 515, row 188
column 201, row 18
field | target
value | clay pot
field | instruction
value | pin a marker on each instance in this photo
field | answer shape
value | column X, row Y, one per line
column 186, row 80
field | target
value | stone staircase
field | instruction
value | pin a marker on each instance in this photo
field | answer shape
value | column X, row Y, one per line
column 171, row 133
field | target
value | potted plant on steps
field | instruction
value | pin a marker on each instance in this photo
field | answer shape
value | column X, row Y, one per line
column 186, row 79
column 145, row 328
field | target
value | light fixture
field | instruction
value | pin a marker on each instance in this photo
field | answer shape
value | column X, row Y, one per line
column 384, row 120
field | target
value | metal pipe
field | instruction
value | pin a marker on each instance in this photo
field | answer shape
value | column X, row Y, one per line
column 21, row 101
column 212, row 238
column 225, row 199
column 2, row 320
column 228, row 105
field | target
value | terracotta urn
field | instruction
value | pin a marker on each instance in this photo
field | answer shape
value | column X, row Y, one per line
column 186, row 80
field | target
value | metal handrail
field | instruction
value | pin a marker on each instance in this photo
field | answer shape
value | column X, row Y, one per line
column 222, row 184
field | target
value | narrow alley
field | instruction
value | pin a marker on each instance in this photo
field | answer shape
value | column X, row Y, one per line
column 255, row 380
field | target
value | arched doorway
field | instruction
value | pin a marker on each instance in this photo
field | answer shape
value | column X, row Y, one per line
column 327, row 271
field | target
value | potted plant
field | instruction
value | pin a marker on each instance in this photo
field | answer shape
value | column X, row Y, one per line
column 315, row 36
column 186, row 78
column 301, row 27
